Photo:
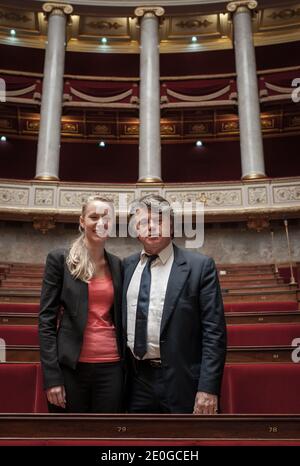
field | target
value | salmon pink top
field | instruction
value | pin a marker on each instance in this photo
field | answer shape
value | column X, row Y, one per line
column 99, row 339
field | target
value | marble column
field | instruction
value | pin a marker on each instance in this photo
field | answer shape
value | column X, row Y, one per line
column 149, row 138
column 47, row 166
column 252, row 155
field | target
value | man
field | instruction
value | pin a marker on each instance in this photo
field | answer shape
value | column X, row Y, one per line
column 174, row 319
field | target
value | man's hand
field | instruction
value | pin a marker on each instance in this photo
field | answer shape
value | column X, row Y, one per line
column 57, row 396
column 205, row 403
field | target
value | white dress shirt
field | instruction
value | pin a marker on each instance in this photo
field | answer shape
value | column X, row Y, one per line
column 160, row 272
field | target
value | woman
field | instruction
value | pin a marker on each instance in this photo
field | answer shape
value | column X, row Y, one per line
column 82, row 351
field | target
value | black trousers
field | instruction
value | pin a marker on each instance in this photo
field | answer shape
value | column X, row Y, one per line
column 93, row 388
column 146, row 389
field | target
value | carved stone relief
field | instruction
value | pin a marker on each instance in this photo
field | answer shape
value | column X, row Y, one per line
column 75, row 199
column 257, row 196
column 286, row 194
column 44, row 197
column 43, row 223
column 218, row 198
column 14, row 197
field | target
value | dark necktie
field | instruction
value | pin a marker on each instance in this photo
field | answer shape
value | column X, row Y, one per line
column 140, row 338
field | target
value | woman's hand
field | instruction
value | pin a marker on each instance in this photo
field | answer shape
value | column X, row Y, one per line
column 57, row 396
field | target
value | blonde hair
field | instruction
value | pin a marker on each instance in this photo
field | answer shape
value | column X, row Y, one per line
column 79, row 261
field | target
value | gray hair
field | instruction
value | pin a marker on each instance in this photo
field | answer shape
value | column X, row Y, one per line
column 156, row 204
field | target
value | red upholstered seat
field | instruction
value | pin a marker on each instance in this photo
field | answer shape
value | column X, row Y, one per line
column 18, row 388
column 21, row 308
column 20, row 334
column 261, row 389
column 256, row 307
column 21, row 389
column 262, row 334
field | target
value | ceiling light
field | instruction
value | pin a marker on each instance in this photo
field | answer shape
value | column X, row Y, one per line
column 199, row 143
column 101, row 144
column 3, row 139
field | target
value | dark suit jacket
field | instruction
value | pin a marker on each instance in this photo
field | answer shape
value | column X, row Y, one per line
column 61, row 290
column 193, row 331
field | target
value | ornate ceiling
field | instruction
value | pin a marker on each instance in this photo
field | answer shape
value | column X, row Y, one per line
column 274, row 22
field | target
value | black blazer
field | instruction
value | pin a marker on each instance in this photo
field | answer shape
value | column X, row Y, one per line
column 61, row 291
column 193, row 330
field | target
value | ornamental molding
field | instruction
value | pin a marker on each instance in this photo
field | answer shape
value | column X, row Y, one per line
column 286, row 14
column 272, row 25
column 232, row 7
column 13, row 196
column 43, row 223
column 57, row 9
column 258, row 223
column 194, row 24
column 74, row 198
column 44, row 197
column 286, row 194
column 211, row 198
column 14, row 16
column 234, row 201
column 107, row 25
column 257, row 196
column 142, row 11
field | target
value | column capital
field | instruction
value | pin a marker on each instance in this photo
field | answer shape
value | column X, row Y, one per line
column 232, row 7
column 60, row 9
column 142, row 11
